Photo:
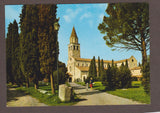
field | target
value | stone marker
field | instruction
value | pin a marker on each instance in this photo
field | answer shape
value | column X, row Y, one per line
column 64, row 93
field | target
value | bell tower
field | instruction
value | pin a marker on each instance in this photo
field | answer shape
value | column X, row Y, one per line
column 74, row 46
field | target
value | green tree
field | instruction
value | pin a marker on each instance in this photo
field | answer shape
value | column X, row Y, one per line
column 109, row 77
column 29, row 48
column 127, row 27
column 62, row 72
column 92, row 69
column 125, row 75
column 47, row 41
column 103, row 74
column 10, row 76
column 99, row 68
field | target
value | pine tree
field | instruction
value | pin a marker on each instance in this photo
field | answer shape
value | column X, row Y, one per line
column 127, row 27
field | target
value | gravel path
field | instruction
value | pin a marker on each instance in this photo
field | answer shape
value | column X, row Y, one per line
column 18, row 99
column 95, row 97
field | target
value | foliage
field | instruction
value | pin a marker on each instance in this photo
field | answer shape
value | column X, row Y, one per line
column 62, row 76
column 48, row 45
column 125, row 76
column 99, row 67
column 29, row 44
column 127, row 27
column 12, row 51
column 103, row 74
column 92, row 69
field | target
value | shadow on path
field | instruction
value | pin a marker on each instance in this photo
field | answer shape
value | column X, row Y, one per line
column 90, row 93
column 12, row 93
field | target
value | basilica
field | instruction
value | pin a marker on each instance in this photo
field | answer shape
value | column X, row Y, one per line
column 78, row 67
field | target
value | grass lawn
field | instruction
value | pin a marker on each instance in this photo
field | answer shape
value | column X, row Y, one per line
column 135, row 93
column 51, row 100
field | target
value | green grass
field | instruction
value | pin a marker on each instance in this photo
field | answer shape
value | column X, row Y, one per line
column 51, row 100
column 135, row 93
column 81, row 83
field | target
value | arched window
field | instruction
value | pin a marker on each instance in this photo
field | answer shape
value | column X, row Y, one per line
column 132, row 60
column 77, row 47
column 73, row 47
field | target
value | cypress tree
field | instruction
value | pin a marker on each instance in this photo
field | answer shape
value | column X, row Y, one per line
column 99, row 68
column 48, row 45
column 29, row 44
column 103, row 74
column 9, row 50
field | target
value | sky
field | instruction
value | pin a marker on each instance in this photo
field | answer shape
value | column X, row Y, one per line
column 85, row 18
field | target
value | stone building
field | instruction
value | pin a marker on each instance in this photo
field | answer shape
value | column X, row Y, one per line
column 78, row 67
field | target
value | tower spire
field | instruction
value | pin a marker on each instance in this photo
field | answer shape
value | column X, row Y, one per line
column 73, row 37
column 73, row 34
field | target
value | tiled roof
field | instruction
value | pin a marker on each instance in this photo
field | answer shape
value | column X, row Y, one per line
column 136, row 68
column 83, row 68
column 105, row 61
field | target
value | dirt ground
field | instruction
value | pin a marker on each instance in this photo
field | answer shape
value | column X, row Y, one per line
column 19, row 99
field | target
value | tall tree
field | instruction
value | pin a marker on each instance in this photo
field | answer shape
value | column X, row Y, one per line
column 29, row 44
column 127, row 27
column 125, row 75
column 92, row 69
column 99, row 68
column 103, row 74
column 10, row 76
column 48, row 41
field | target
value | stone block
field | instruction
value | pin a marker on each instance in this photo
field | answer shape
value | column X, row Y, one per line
column 65, row 93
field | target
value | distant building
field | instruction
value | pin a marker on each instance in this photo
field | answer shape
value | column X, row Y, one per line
column 78, row 67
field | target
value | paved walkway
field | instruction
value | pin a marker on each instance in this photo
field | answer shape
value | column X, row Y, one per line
column 18, row 99
column 95, row 97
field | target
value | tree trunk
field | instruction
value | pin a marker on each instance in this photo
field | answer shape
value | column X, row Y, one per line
column 27, row 84
column 36, row 85
column 144, row 53
column 52, row 84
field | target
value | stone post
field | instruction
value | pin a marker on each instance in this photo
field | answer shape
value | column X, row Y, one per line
column 65, row 93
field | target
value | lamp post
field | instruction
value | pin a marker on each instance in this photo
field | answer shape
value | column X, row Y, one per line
column 56, row 28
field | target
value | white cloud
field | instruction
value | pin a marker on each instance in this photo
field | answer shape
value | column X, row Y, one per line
column 101, row 17
column 71, row 14
column 85, row 15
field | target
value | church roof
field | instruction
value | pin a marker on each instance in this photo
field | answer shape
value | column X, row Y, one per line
column 105, row 61
column 83, row 68
column 73, row 34
column 136, row 68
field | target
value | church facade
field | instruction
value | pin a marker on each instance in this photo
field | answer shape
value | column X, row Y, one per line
column 78, row 67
